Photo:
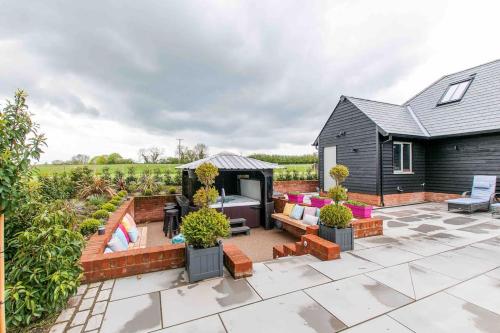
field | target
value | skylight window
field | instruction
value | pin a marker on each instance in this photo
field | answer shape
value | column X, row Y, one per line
column 455, row 92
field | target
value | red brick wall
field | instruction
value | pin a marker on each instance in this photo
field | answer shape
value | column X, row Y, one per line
column 237, row 262
column 401, row 198
column 370, row 199
column 284, row 186
column 150, row 209
column 98, row 266
column 367, row 228
column 440, row 197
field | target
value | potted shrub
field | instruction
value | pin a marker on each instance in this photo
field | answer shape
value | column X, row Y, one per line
column 335, row 226
column 359, row 209
column 319, row 201
column 335, row 219
column 203, row 228
column 295, row 197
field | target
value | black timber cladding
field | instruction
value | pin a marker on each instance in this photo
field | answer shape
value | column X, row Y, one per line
column 453, row 162
column 361, row 135
column 406, row 182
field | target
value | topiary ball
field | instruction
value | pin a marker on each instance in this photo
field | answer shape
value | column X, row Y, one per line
column 202, row 227
column 89, row 226
column 101, row 214
column 122, row 193
column 335, row 216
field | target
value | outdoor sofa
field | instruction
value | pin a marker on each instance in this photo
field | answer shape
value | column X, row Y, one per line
column 480, row 198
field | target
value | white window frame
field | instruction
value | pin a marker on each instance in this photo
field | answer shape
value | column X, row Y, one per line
column 450, row 86
column 400, row 144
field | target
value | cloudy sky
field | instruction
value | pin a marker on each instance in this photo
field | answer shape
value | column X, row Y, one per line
column 250, row 76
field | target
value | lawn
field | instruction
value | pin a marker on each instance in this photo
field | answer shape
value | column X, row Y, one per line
column 49, row 169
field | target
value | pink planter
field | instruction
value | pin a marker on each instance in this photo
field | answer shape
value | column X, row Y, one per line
column 361, row 212
column 295, row 198
column 320, row 202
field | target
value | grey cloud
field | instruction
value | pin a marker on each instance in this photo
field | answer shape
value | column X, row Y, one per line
column 244, row 75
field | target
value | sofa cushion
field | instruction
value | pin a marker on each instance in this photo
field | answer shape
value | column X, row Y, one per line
column 115, row 244
column 125, row 232
column 310, row 219
column 297, row 212
column 310, row 211
column 288, row 209
column 133, row 234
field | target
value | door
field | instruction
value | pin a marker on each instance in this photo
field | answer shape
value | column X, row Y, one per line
column 329, row 161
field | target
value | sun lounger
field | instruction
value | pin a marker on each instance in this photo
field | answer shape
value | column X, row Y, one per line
column 481, row 196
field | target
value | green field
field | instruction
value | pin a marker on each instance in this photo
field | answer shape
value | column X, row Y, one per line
column 49, row 169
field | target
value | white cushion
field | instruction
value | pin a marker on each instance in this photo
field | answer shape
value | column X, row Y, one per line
column 310, row 219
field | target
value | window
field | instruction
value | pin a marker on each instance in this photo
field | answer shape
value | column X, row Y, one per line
column 402, row 157
column 455, row 92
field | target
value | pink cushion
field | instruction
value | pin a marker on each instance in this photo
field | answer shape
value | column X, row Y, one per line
column 122, row 228
column 310, row 211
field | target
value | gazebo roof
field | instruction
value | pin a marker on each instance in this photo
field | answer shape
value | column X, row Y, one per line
column 230, row 161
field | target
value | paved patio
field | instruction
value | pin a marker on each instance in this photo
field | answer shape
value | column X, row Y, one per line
column 432, row 271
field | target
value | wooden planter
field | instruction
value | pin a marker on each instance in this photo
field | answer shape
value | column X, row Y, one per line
column 360, row 212
column 295, row 198
column 344, row 238
column 204, row 263
column 320, row 202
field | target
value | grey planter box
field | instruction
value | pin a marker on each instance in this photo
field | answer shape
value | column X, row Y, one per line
column 343, row 237
column 204, row 263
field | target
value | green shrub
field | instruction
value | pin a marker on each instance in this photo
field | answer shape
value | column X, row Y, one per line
column 122, row 194
column 172, row 190
column 43, row 274
column 89, row 226
column 101, row 214
column 96, row 200
column 147, row 192
column 335, row 216
column 203, row 198
column 337, row 193
column 356, row 203
column 108, row 207
column 339, row 173
column 202, row 228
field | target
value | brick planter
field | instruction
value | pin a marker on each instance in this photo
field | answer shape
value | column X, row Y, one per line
column 285, row 186
column 367, row 227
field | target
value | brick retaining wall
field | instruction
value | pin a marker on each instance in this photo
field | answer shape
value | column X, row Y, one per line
column 150, row 208
column 401, row 198
column 284, row 186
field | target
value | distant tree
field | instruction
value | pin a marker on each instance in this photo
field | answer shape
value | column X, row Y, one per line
column 80, row 159
column 58, row 162
column 287, row 159
column 99, row 159
column 151, row 155
column 188, row 155
column 115, row 158
column 200, row 150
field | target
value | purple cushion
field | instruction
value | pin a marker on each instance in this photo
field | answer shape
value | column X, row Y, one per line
column 310, row 211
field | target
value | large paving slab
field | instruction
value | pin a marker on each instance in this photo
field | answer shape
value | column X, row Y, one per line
column 148, row 283
column 295, row 312
column 357, row 299
column 279, row 282
column 483, row 291
column 348, row 265
column 375, row 241
column 380, row 324
column 456, row 265
column 210, row 324
column 412, row 280
column 386, row 255
column 494, row 273
column 423, row 246
column 205, row 298
column 446, row 313
column 135, row 314
column 286, row 263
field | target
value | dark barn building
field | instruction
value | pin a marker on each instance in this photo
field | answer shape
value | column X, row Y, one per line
column 428, row 148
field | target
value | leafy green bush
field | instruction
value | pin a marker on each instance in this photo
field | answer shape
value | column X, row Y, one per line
column 337, row 193
column 89, row 226
column 98, row 185
column 172, row 190
column 147, row 192
column 43, row 274
column 335, row 216
column 56, row 187
column 339, row 173
column 202, row 228
column 122, row 194
column 202, row 197
column 356, row 203
column 101, row 214
column 108, row 207
column 96, row 200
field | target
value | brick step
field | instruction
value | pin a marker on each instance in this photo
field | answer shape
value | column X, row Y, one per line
column 290, row 249
column 278, row 251
column 240, row 230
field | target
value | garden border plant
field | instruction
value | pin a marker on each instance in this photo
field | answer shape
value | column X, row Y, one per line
column 335, row 218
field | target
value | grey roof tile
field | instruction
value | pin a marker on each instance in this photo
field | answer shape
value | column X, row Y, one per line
column 229, row 161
